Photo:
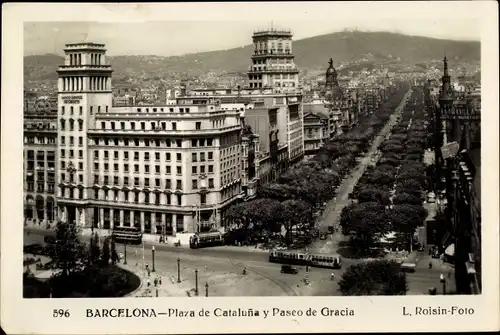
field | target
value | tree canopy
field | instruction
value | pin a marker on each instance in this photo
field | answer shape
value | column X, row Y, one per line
column 380, row 277
column 67, row 252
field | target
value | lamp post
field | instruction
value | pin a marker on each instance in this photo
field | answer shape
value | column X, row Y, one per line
column 178, row 270
column 206, row 289
column 153, row 254
column 125, row 253
column 443, row 282
column 196, row 281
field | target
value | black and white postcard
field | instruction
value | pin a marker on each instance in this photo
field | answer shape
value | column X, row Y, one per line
column 249, row 167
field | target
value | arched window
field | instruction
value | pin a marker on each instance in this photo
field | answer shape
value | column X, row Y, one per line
column 40, row 205
column 29, row 207
column 51, row 209
column 71, row 124
column 80, row 124
column 63, row 124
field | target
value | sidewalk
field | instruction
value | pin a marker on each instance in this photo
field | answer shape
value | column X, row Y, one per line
column 151, row 239
column 224, row 278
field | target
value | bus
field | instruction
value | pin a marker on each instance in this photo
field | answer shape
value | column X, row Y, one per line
column 303, row 258
column 201, row 240
column 129, row 235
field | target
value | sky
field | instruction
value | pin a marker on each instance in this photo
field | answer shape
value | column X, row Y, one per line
column 184, row 33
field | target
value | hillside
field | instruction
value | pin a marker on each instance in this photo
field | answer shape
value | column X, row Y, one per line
column 311, row 53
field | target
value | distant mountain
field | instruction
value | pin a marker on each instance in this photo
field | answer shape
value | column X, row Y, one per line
column 311, row 53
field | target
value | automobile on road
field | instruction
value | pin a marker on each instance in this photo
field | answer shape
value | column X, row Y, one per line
column 289, row 269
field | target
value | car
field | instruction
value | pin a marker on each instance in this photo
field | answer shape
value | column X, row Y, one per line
column 49, row 239
column 35, row 249
column 289, row 269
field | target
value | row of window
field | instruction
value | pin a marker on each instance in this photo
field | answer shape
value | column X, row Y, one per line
column 146, row 168
column 40, row 155
column 39, row 140
column 137, row 142
column 71, row 140
column 161, row 109
column 71, row 153
column 195, row 156
column 142, row 125
column 40, row 187
column 146, row 182
column 71, row 122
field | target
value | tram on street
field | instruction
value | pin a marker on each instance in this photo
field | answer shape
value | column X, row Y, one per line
column 303, row 258
column 201, row 240
column 129, row 235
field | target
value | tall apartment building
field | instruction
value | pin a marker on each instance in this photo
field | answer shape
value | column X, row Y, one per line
column 273, row 61
column 163, row 168
column 273, row 87
column 40, row 136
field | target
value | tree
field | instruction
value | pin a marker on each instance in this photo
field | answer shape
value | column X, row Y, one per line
column 365, row 223
column 406, row 218
column 369, row 193
column 114, row 254
column 407, row 198
column 380, row 277
column 67, row 252
column 95, row 251
column 294, row 212
column 237, row 214
column 106, row 252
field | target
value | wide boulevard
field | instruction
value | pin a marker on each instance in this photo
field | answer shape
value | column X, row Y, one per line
column 222, row 267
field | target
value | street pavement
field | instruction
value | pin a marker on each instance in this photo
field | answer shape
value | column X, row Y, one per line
column 220, row 267
column 331, row 215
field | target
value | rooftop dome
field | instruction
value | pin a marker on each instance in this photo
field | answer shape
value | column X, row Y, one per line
column 331, row 69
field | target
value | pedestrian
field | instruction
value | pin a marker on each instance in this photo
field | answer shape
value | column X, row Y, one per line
column 149, row 282
column 155, row 282
column 332, row 276
column 430, row 264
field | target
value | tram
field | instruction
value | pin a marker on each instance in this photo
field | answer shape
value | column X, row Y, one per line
column 303, row 258
column 201, row 240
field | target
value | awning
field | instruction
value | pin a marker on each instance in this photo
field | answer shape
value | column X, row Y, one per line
column 450, row 250
column 446, row 238
column 470, row 268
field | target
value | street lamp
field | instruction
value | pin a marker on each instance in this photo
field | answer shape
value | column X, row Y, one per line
column 443, row 281
column 206, row 289
column 153, row 254
column 178, row 270
column 196, row 281
column 125, row 252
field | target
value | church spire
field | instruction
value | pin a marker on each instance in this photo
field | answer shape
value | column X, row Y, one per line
column 445, row 61
column 446, row 90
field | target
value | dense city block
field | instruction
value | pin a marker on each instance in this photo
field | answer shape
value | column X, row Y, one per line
column 361, row 178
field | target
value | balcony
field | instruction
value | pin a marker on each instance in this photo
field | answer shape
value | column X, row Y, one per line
column 273, row 69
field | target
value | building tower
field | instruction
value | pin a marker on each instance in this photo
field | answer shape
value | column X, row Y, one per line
column 446, row 98
column 84, row 90
column 273, row 62
column 331, row 77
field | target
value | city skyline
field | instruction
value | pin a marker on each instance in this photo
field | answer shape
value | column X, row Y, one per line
column 169, row 38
